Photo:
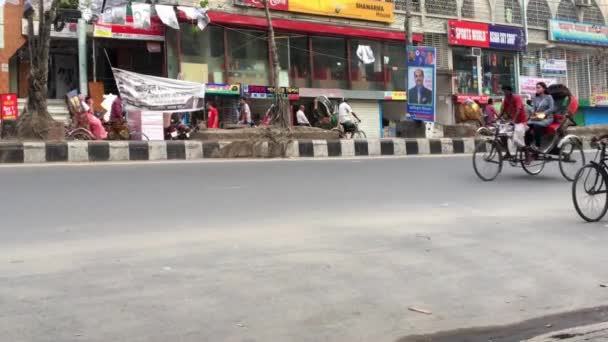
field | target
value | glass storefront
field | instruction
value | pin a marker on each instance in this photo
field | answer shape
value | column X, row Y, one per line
column 497, row 69
column 202, row 54
column 329, row 62
column 247, row 57
column 394, row 65
column 465, row 71
column 366, row 65
column 294, row 59
column 228, row 55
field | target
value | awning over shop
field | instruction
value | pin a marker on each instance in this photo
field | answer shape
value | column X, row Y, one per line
column 301, row 26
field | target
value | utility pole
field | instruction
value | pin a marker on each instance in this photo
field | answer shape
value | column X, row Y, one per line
column 82, row 56
column 409, row 40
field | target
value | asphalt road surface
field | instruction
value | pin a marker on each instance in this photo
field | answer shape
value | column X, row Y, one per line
column 334, row 250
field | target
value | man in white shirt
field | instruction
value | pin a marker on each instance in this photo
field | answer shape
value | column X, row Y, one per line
column 344, row 116
column 301, row 118
column 245, row 117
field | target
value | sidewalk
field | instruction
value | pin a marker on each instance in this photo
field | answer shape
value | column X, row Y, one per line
column 589, row 333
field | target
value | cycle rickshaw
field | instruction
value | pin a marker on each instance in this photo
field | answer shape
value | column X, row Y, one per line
column 497, row 146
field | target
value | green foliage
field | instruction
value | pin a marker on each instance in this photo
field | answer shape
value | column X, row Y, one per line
column 68, row 4
column 204, row 3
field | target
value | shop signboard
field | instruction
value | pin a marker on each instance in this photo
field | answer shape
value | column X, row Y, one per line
column 395, row 95
column 265, row 92
column 579, row 33
column 484, row 35
column 554, row 67
column 370, row 10
column 8, row 107
column 527, row 84
column 528, row 61
column 599, row 100
column 223, row 89
column 479, row 98
column 421, row 82
column 156, row 32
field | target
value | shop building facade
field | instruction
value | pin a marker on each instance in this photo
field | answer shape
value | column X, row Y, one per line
column 480, row 45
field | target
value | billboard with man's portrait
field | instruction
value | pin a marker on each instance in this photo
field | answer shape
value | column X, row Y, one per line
column 421, row 62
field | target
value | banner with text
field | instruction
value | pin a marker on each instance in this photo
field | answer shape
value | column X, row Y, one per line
column 579, row 33
column 527, row 84
column 370, row 10
column 158, row 94
column 421, row 82
column 484, row 35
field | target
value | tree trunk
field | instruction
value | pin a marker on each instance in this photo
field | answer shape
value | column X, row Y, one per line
column 36, row 122
column 281, row 115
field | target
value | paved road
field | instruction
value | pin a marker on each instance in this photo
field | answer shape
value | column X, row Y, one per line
column 287, row 250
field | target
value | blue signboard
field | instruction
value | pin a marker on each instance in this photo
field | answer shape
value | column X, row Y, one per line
column 505, row 37
column 421, row 62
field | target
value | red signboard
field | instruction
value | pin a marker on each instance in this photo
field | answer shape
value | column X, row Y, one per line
column 8, row 107
column 279, row 5
column 468, row 34
column 481, row 99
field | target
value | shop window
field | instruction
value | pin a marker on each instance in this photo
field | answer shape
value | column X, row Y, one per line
column 512, row 12
column 394, row 65
column 329, row 63
column 538, row 13
column 294, row 59
column 465, row 71
column 247, row 57
column 567, row 11
column 498, row 69
column 366, row 65
column 468, row 9
column 440, row 43
column 593, row 14
column 400, row 5
column 172, row 46
column 202, row 54
column 442, row 7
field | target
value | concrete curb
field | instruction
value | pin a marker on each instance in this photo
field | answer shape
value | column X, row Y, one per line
column 100, row 151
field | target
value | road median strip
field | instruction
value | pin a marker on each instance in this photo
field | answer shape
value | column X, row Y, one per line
column 116, row 151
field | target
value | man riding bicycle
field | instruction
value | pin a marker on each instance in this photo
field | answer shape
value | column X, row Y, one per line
column 512, row 107
column 345, row 119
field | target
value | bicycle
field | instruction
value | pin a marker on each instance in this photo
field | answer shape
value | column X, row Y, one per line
column 590, row 187
column 357, row 134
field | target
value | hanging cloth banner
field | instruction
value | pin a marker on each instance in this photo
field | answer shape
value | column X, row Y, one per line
column 115, row 3
column 365, row 54
column 167, row 16
column 198, row 14
column 158, row 94
column 141, row 16
column 115, row 15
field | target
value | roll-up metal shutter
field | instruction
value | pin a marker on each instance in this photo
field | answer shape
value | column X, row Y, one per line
column 369, row 113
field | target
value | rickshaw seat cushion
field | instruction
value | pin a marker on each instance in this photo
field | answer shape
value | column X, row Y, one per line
column 557, row 118
column 552, row 128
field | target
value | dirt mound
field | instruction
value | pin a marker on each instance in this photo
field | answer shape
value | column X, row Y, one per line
column 262, row 142
column 263, row 133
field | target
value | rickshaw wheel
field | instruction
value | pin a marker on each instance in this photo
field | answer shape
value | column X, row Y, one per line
column 487, row 160
column 571, row 159
column 590, row 193
column 535, row 167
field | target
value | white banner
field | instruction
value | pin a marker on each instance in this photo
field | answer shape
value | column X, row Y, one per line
column 141, row 15
column 167, row 16
column 527, row 84
column 158, row 94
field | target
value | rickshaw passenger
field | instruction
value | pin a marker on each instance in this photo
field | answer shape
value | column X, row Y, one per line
column 543, row 103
